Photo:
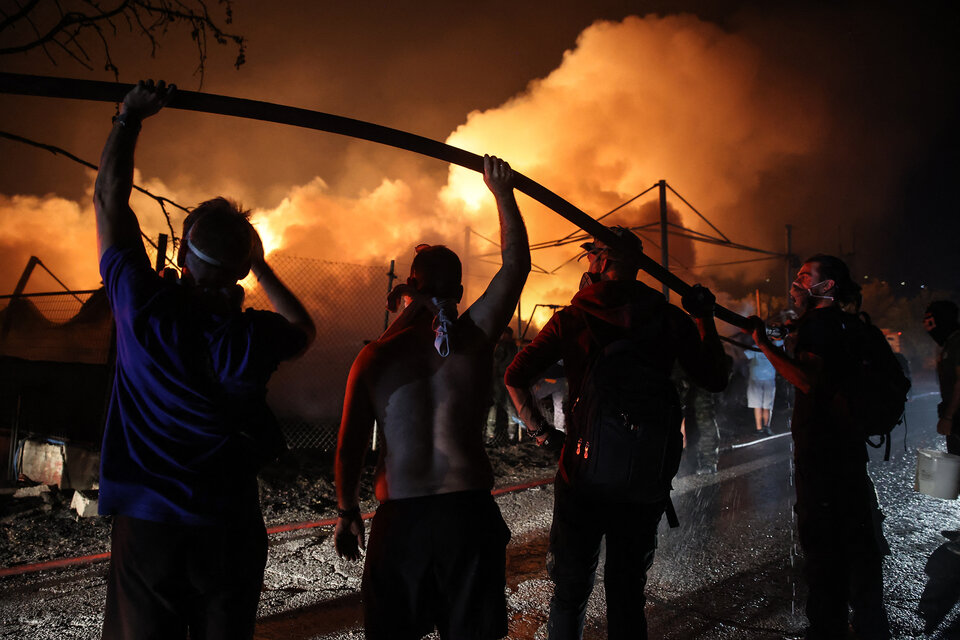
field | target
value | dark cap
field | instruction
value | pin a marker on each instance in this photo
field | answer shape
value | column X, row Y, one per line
column 629, row 238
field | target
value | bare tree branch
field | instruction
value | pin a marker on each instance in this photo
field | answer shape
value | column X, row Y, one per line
column 71, row 25
column 24, row 10
column 161, row 200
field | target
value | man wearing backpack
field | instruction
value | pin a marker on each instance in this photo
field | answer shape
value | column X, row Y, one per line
column 837, row 513
column 618, row 340
column 942, row 325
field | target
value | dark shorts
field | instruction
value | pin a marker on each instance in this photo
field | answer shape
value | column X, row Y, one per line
column 168, row 578
column 436, row 561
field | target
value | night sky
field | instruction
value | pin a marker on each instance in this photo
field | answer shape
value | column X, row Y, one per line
column 840, row 119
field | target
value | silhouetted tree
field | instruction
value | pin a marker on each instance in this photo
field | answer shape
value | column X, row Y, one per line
column 82, row 29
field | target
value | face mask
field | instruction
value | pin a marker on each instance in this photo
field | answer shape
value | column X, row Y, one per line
column 443, row 323
column 588, row 279
column 811, row 294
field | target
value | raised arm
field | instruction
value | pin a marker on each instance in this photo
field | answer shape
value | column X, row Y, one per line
column 801, row 373
column 281, row 298
column 492, row 311
column 525, row 370
column 116, row 223
column 356, row 427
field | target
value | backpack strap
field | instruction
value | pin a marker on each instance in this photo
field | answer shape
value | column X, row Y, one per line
column 671, row 513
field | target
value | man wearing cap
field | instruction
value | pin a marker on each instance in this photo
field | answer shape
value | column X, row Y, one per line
column 611, row 307
column 188, row 425
column 437, row 548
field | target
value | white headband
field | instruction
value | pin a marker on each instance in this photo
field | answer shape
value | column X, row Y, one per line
column 200, row 254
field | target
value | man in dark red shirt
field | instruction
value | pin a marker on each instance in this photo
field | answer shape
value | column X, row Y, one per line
column 611, row 306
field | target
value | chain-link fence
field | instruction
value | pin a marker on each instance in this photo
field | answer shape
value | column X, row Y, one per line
column 347, row 304
column 54, row 350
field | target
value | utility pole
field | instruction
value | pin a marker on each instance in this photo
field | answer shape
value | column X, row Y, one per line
column 391, row 276
column 664, row 256
column 519, row 320
column 465, row 269
column 161, row 252
column 789, row 268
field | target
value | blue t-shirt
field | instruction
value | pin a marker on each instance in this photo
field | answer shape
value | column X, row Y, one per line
column 189, row 388
column 760, row 366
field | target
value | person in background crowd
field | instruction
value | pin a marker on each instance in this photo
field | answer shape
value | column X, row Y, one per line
column 941, row 323
column 502, row 420
column 761, row 387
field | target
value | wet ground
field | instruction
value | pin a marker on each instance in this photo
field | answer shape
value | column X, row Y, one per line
column 731, row 570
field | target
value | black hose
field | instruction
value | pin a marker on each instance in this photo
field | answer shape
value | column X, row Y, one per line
column 21, row 84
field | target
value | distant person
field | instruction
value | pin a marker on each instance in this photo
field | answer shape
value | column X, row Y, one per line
column 618, row 338
column 188, row 425
column 437, row 544
column 941, row 323
column 502, row 418
column 701, row 431
column 761, row 387
column 838, row 517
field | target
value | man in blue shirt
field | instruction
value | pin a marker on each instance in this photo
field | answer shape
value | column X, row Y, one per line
column 761, row 387
column 188, row 425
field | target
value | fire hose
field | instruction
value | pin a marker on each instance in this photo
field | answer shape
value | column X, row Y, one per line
column 50, row 87
column 61, row 563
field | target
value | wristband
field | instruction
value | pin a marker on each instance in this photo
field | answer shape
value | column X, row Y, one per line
column 127, row 121
column 352, row 513
column 542, row 427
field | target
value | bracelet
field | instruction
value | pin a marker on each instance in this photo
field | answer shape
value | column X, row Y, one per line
column 127, row 121
column 542, row 428
column 352, row 513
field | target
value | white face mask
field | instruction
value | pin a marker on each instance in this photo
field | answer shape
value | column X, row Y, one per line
column 811, row 294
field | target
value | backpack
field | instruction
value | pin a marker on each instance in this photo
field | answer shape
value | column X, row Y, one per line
column 873, row 393
column 624, row 441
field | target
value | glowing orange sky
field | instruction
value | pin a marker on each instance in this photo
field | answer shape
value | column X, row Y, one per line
column 750, row 136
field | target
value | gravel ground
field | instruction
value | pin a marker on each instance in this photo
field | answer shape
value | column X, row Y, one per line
column 297, row 488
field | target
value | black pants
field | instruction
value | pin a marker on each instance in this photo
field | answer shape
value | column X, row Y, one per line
column 167, row 578
column 580, row 521
column 953, row 444
column 436, row 561
column 838, row 520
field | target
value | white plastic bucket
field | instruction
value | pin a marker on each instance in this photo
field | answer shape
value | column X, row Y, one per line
column 938, row 474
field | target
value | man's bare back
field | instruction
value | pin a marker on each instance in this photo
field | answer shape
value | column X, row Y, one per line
column 430, row 407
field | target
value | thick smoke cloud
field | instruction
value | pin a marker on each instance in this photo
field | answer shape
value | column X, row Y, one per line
column 706, row 108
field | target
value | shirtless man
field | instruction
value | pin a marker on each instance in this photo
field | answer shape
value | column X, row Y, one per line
column 437, row 543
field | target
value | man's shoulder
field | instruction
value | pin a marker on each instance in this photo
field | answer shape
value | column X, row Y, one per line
column 951, row 348
column 126, row 273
